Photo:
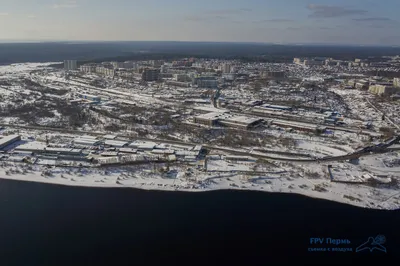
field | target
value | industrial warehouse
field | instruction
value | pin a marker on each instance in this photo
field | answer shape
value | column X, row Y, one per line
column 8, row 140
column 227, row 119
column 91, row 151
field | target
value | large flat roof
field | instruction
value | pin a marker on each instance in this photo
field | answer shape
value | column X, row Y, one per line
column 8, row 138
column 115, row 143
column 31, row 145
column 216, row 115
column 210, row 109
column 209, row 116
column 243, row 119
column 294, row 124
column 276, row 106
column 87, row 137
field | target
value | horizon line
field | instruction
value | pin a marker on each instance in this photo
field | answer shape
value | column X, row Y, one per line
column 19, row 41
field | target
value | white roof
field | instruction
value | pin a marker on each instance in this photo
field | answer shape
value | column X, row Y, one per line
column 238, row 157
column 143, row 144
column 197, row 148
column 34, row 145
column 23, row 152
column 109, row 137
column 172, row 157
column 147, row 146
column 294, row 124
column 275, row 106
column 15, row 158
column 162, row 146
column 106, row 160
column 267, row 111
column 63, row 150
column 182, row 147
column 186, row 153
column 163, row 151
column 8, row 138
column 85, row 141
column 215, row 115
column 210, row 109
column 242, row 119
column 128, row 150
column 115, row 143
column 109, row 153
column 87, row 137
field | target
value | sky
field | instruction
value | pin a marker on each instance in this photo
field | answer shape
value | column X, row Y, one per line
column 356, row 22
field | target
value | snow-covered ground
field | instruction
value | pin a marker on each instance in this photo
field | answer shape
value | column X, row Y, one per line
column 24, row 67
column 28, row 85
column 282, row 179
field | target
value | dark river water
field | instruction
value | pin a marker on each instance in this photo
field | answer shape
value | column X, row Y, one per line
column 42, row 224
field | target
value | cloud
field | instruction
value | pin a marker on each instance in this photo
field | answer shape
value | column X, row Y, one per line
column 220, row 17
column 371, row 19
column 195, row 18
column 324, row 11
column 3, row 14
column 229, row 11
column 32, row 16
column 376, row 26
column 219, row 14
column 300, row 28
column 276, row 20
column 293, row 28
column 66, row 4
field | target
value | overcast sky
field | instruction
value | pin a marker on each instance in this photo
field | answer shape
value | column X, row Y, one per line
column 367, row 22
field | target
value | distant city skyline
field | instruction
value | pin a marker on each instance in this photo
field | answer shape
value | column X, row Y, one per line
column 348, row 22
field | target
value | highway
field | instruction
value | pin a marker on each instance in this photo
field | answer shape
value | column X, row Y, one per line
column 363, row 152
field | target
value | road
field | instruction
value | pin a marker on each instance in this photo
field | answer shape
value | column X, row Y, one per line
column 379, row 111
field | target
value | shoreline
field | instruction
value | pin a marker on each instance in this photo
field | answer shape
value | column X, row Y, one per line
column 328, row 197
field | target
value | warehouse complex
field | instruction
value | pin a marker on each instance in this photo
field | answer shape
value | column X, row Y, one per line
column 227, row 119
column 8, row 140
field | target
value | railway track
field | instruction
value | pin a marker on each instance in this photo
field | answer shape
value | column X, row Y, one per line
column 356, row 155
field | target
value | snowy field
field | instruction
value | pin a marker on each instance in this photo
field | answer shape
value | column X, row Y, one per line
column 36, row 94
column 278, row 180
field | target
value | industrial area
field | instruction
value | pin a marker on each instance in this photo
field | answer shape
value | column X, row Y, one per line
column 320, row 127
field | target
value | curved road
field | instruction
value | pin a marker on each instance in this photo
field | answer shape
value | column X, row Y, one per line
column 379, row 111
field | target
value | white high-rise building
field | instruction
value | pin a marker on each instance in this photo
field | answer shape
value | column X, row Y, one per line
column 70, row 65
column 117, row 65
column 128, row 64
column 88, row 68
column 226, row 68
column 396, row 82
